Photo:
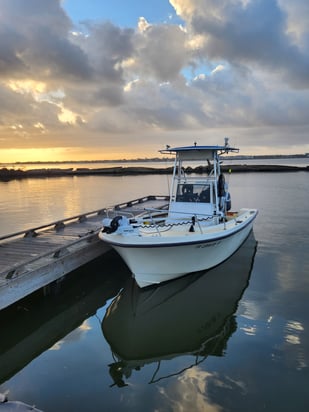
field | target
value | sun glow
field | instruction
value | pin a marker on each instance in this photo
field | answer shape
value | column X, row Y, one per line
column 27, row 86
column 65, row 154
column 66, row 115
column 32, row 155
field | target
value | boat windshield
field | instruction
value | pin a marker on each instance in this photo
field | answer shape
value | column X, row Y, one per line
column 195, row 192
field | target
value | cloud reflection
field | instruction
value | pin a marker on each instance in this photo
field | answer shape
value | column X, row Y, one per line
column 294, row 346
column 249, row 330
column 193, row 390
column 189, row 392
column 74, row 336
column 293, row 329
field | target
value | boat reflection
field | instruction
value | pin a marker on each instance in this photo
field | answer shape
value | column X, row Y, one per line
column 36, row 323
column 193, row 315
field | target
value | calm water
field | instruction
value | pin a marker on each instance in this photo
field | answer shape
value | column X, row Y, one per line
column 232, row 339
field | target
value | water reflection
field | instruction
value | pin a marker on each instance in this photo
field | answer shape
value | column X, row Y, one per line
column 40, row 322
column 193, row 315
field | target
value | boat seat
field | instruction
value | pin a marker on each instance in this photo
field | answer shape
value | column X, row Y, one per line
column 204, row 196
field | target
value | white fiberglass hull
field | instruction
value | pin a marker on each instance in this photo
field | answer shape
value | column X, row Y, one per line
column 149, row 325
column 156, row 259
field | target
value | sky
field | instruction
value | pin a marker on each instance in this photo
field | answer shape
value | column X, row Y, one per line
column 97, row 79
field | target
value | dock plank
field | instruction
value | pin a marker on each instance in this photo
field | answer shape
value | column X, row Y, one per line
column 38, row 256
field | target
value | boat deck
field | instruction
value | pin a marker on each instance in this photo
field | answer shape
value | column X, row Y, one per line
column 31, row 259
column 175, row 229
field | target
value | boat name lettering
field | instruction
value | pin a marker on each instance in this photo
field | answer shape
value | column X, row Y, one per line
column 208, row 244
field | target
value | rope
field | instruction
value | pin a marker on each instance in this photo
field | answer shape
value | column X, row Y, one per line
column 169, row 225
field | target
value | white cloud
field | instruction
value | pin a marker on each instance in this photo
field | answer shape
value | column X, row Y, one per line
column 234, row 65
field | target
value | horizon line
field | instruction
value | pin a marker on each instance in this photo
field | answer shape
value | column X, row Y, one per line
column 153, row 159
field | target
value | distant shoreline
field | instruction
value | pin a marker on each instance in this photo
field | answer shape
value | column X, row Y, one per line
column 155, row 159
column 9, row 174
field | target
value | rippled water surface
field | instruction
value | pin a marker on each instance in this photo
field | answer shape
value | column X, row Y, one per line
column 234, row 338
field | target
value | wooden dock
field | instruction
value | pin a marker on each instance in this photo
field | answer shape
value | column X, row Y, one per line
column 34, row 258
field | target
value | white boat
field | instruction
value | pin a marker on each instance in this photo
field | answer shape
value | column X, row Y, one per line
column 197, row 232
column 192, row 318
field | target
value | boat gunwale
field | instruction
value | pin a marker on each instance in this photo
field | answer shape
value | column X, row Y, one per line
column 229, row 232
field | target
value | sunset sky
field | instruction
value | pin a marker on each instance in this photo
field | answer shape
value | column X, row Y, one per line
column 97, row 79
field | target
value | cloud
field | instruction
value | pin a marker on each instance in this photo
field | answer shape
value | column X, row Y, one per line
column 297, row 14
column 253, row 33
column 36, row 38
column 240, row 65
column 160, row 51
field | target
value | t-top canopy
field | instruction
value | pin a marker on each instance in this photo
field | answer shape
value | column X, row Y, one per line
column 198, row 152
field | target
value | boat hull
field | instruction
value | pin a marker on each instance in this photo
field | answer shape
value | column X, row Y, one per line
column 156, row 260
column 180, row 317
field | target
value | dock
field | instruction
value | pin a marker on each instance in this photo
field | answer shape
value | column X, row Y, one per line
column 34, row 258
